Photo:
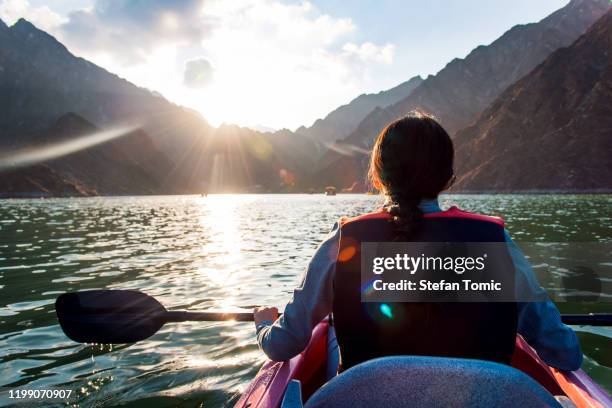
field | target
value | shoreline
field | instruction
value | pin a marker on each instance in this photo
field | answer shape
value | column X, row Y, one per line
column 25, row 196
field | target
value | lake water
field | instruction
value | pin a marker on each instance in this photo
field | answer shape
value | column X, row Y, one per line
column 196, row 253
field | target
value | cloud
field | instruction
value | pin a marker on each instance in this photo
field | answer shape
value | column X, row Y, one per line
column 131, row 30
column 277, row 63
column 198, row 73
column 283, row 64
column 42, row 17
column 369, row 52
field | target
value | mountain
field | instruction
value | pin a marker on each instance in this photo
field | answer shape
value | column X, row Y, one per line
column 343, row 120
column 49, row 95
column 40, row 181
column 236, row 159
column 41, row 81
column 550, row 130
column 130, row 164
column 465, row 87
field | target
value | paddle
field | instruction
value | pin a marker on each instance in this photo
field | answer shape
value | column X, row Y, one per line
column 128, row 316
column 122, row 316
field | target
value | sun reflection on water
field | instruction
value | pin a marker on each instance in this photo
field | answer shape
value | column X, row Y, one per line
column 222, row 258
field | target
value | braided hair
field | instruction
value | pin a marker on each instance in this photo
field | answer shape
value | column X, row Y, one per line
column 412, row 160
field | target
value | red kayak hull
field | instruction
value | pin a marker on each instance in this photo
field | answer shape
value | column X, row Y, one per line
column 268, row 387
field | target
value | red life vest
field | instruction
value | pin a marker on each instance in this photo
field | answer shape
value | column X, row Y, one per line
column 484, row 331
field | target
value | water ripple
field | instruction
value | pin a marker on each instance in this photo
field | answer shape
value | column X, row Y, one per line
column 197, row 253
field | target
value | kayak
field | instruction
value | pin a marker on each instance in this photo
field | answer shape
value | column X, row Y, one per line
column 276, row 380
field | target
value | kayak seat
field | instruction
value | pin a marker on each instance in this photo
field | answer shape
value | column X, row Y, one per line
column 416, row 381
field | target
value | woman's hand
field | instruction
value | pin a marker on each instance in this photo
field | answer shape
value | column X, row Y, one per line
column 261, row 314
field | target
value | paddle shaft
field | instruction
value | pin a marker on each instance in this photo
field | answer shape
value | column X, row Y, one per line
column 591, row 319
column 208, row 316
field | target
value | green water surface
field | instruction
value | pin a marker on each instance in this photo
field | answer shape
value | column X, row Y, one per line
column 195, row 253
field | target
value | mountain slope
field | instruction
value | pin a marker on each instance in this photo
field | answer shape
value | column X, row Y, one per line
column 464, row 88
column 131, row 164
column 39, row 181
column 41, row 80
column 343, row 120
column 550, row 130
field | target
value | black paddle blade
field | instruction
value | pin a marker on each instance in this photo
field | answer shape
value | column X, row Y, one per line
column 109, row 316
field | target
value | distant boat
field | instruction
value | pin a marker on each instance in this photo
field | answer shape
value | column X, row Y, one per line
column 330, row 190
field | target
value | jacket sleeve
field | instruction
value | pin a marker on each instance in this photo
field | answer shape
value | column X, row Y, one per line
column 539, row 321
column 312, row 301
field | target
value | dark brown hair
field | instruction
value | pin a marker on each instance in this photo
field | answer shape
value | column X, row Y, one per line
column 412, row 159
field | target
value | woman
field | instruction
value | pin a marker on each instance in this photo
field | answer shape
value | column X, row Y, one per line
column 412, row 163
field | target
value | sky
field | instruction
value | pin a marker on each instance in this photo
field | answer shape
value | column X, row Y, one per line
column 272, row 63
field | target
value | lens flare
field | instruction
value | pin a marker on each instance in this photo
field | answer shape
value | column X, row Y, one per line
column 347, row 149
column 385, row 309
column 37, row 154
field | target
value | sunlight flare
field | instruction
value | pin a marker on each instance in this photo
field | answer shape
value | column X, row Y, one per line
column 37, row 154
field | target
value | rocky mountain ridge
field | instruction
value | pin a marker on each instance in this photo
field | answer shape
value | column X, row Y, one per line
column 465, row 87
column 551, row 130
